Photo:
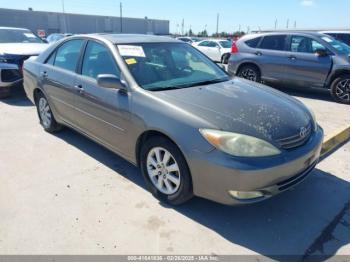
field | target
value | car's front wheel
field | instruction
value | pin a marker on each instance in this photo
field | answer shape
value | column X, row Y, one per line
column 340, row 89
column 165, row 171
column 47, row 120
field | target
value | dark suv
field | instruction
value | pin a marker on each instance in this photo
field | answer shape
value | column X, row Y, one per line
column 303, row 59
column 343, row 36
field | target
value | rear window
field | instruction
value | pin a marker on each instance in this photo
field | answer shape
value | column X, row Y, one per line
column 253, row 42
column 274, row 42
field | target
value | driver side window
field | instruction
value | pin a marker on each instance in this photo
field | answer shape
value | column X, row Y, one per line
column 302, row 44
column 98, row 60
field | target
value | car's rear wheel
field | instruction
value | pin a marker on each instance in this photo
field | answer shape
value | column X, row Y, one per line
column 225, row 58
column 165, row 171
column 47, row 120
column 340, row 89
column 250, row 72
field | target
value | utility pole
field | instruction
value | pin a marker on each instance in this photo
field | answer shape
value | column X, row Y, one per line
column 276, row 23
column 182, row 26
column 295, row 24
column 64, row 17
column 217, row 24
column 287, row 23
column 121, row 17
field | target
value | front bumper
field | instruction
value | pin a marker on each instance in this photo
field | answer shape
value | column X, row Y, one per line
column 215, row 174
column 10, row 75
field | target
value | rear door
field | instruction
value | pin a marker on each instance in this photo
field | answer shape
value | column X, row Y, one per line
column 270, row 54
column 305, row 68
column 103, row 113
column 58, row 77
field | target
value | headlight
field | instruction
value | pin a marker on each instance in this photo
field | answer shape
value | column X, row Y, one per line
column 239, row 145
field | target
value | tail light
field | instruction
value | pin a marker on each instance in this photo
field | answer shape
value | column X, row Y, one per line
column 234, row 48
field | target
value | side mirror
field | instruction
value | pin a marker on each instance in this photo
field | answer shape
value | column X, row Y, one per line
column 110, row 81
column 321, row 52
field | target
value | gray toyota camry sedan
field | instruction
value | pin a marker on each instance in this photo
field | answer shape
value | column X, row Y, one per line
column 167, row 108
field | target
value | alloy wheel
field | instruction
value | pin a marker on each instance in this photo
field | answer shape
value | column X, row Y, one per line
column 343, row 90
column 249, row 74
column 163, row 171
column 45, row 112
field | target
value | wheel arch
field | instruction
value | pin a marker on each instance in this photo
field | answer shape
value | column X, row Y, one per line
column 147, row 135
column 248, row 63
column 335, row 75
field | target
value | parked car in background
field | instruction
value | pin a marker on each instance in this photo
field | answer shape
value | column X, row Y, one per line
column 302, row 59
column 217, row 50
column 16, row 45
column 189, row 40
column 53, row 38
column 343, row 36
column 167, row 108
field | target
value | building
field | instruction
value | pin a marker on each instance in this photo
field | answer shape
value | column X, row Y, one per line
column 80, row 24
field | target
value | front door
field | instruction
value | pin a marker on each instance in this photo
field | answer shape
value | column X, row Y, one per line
column 305, row 67
column 103, row 113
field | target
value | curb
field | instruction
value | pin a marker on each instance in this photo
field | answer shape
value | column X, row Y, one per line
column 333, row 141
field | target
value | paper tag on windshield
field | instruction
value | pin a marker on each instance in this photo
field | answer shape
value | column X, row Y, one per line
column 29, row 35
column 131, row 50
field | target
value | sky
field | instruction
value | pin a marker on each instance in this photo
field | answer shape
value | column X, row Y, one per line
column 202, row 14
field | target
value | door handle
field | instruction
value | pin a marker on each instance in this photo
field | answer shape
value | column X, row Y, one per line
column 292, row 57
column 79, row 88
column 44, row 74
column 258, row 53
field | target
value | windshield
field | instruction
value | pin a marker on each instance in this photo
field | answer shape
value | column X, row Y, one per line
column 18, row 36
column 225, row 44
column 163, row 66
column 338, row 45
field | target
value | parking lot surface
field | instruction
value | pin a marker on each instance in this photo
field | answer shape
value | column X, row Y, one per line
column 64, row 194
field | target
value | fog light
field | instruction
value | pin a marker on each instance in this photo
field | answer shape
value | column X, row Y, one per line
column 240, row 195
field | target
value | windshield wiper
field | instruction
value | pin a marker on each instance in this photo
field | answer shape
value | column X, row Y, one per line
column 164, row 88
column 208, row 82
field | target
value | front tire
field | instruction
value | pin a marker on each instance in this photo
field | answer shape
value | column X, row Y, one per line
column 47, row 120
column 340, row 89
column 250, row 72
column 165, row 171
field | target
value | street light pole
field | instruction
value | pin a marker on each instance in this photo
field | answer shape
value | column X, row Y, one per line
column 64, row 17
column 121, row 17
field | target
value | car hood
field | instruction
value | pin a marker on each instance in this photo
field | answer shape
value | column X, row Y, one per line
column 22, row 48
column 243, row 107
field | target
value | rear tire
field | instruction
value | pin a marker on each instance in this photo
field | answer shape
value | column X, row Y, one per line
column 165, row 171
column 250, row 72
column 47, row 120
column 225, row 58
column 340, row 89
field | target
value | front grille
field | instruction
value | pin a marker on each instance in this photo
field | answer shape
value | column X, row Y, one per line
column 296, row 140
column 10, row 75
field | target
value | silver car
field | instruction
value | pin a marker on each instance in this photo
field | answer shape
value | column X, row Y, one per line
column 167, row 108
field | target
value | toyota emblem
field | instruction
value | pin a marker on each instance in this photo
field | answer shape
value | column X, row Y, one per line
column 303, row 132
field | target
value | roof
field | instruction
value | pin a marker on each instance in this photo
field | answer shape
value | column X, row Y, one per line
column 335, row 32
column 135, row 38
column 316, row 34
column 14, row 28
